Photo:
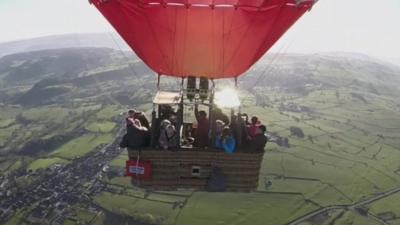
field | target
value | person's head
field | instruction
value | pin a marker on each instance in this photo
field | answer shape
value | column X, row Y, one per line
column 219, row 126
column 234, row 117
column 164, row 124
column 138, row 114
column 131, row 113
column 244, row 115
column 254, row 119
column 170, row 129
column 172, row 118
column 262, row 129
column 203, row 114
column 226, row 132
column 166, row 109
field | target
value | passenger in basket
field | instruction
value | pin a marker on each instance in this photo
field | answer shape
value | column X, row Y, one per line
column 143, row 120
column 226, row 141
column 260, row 140
column 219, row 115
column 168, row 136
column 141, row 117
column 166, row 111
column 136, row 134
column 203, row 127
column 219, row 127
column 252, row 128
column 239, row 129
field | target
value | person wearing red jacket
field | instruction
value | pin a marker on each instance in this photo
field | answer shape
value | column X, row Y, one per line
column 252, row 128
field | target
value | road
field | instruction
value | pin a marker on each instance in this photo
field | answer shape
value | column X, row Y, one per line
column 348, row 207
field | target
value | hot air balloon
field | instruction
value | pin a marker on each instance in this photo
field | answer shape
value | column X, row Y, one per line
column 206, row 39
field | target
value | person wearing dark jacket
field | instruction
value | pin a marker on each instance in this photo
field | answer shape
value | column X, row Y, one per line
column 260, row 140
column 136, row 134
column 239, row 129
column 143, row 120
column 219, row 115
column 203, row 127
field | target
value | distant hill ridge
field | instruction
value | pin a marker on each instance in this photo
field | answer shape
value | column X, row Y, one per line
column 108, row 40
column 100, row 40
column 71, row 69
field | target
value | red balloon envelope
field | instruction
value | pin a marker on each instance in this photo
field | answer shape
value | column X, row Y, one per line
column 203, row 38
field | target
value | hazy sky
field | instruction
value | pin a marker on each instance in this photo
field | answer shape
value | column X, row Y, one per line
column 365, row 26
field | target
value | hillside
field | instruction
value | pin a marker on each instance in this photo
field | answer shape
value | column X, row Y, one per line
column 63, row 106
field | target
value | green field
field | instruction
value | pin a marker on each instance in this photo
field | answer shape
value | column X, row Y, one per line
column 81, row 146
column 144, row 210
column 54, row 114
column 88, row 217
column 354, row 218
column 389, row 204
column 108, row 112
column 235, row 208
column 207, row 208
column 119, row 161
column 45, row 163
column 7, row 132
column 101, row 127
column 6, row 122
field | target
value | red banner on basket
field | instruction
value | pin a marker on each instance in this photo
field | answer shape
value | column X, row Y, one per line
column 138, row 169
